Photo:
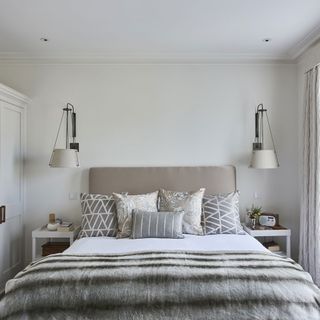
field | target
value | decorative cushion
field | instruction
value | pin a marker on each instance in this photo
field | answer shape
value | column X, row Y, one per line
column 99, row 218
column 190, row 203
column 157, row 224
column 221, row 214
column 126, row 203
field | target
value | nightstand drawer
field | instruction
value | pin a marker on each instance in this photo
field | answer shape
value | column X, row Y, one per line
column 54, row 247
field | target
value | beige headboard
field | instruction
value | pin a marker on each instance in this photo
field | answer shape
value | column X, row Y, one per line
column 135, row 180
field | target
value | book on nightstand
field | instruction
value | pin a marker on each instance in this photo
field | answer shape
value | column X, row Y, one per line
column 272, row 246
column 65, row 226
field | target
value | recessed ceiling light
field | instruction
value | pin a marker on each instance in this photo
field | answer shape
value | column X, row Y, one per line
column 44, row 39
column 266, row 40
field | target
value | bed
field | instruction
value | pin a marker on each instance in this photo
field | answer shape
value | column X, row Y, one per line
column 198, row 277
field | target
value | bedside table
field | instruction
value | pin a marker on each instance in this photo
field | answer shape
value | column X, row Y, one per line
column 284, row 232
column 44, row 233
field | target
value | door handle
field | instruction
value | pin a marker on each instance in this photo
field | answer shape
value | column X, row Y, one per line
column 3, row 214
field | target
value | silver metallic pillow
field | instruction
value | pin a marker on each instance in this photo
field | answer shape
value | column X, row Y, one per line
column 99, row 218
column 126, row 203
column 221, row 214
column 156, row 224
column 190, row 203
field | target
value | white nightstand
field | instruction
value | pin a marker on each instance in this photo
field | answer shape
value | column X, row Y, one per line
column 43, row 233
column 272, row 233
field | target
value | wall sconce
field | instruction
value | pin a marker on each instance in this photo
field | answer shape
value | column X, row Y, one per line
column 262, row 158
column 68, row 157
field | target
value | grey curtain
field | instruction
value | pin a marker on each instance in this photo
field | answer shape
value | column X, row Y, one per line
column 309, row 254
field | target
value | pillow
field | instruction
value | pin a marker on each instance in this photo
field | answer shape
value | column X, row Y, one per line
column 126, row 203
column 157, row 224
column 221, row 214
column 190, row 203
column 99, row 218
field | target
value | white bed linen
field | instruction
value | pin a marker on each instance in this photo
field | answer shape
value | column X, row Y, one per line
column 221, row 242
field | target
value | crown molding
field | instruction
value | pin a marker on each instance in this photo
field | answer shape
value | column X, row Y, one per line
column 304, row 44
column 13, row 94
column 145, row 58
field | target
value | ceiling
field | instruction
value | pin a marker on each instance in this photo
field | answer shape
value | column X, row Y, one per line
column 184, row 30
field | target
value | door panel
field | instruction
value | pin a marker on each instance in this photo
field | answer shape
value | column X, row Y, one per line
column 11, row 190
column 12, row 250
column 11, row 159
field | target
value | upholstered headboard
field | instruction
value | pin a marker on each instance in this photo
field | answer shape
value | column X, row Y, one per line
column 135, row 180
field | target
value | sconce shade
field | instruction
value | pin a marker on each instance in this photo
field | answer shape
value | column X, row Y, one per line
column 264, row 159
column 69, row 156
column 64, row 158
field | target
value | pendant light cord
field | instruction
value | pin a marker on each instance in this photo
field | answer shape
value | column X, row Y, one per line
column 55, row 143
column 274, row 147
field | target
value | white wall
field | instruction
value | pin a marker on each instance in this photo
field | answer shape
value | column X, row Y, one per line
column 158, row 115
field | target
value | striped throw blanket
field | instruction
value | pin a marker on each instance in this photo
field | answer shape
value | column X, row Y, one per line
column 163, row 285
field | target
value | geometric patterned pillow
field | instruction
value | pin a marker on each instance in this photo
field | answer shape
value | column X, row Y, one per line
column 221, row 214
column 99, row 218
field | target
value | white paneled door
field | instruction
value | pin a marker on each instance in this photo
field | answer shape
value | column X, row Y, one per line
column 11, row 188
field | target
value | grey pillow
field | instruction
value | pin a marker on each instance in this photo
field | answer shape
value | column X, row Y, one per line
column 189, row 202
column 221, row 214
column 126, row 203
column 99, row 218
column 157, row 224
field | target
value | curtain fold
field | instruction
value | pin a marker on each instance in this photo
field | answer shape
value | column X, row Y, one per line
column 309, row 252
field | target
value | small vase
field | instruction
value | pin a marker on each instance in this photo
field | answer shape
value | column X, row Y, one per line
column 253, row 223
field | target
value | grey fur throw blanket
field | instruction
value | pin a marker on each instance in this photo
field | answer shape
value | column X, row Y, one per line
column 163, row 285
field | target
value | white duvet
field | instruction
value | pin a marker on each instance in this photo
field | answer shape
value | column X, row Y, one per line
column 221, row 242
